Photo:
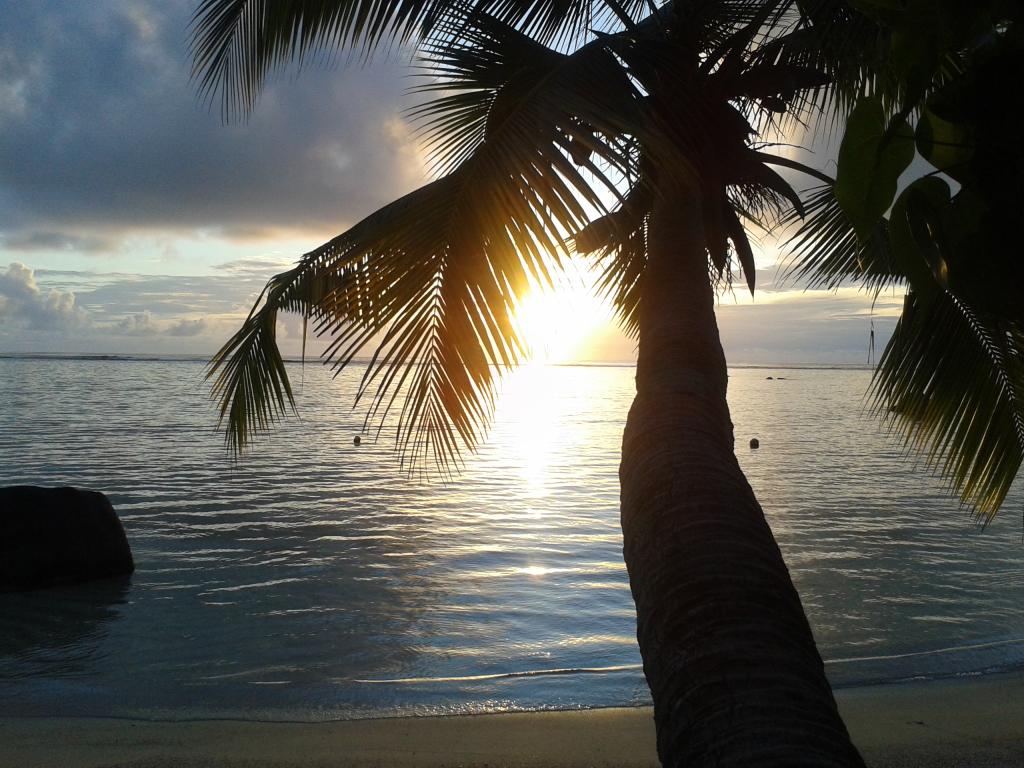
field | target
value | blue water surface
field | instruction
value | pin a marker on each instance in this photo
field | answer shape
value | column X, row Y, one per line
column 315, row 579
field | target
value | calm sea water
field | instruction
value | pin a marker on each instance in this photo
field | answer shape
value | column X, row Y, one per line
column 315, row 580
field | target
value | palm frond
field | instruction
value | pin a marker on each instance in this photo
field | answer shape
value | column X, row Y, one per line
column 493, row 74
column 620, row 277
column 824, row 252
column 439, row 318
column 831, row 37
column 562, row 23
column 619, row 241
column 951, row 381
column 249, row 376
column 431, row 280
column 237, row 43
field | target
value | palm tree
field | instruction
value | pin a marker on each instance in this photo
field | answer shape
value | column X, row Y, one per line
column 536, row 113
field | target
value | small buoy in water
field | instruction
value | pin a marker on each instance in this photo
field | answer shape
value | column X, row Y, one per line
column 356, row 440
column 755, row 443
column 767, row 378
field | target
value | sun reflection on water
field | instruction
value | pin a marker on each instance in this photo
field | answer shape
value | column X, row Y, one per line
column 530, row 414
column 535, row 570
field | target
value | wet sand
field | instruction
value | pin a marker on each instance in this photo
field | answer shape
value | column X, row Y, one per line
column 976, row 722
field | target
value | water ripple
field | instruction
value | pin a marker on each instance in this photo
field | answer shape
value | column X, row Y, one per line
column 288, row 582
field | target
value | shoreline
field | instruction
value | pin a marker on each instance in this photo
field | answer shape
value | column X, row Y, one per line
column 977, row 721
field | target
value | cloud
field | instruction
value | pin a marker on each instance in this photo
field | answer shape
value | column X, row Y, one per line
column 24, row 304
column 39, row 312
column 812, row 326
column 261, row 268
column 168, row 297
column 103, row 134
column 140, row 324
column 188, row 327
column 57, row 241
column 73, row 311
column 790, row 327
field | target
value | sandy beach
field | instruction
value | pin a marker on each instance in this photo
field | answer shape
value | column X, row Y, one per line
column 977, row 722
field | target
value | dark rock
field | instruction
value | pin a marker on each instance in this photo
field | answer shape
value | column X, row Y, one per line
column 767, row 378
column 357, row 440
column 52, row 536
column 755, row 443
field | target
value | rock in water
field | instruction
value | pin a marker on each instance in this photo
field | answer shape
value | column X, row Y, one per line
column 754, row 443
column 54, row 536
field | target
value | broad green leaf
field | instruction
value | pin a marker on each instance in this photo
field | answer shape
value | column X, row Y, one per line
column 914, row 56
column 880, row 10
column 915, row 247
column 972, row 274
column 871, row 158
column 942, row 143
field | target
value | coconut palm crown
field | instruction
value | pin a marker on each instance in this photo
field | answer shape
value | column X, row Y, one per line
column 529, row 142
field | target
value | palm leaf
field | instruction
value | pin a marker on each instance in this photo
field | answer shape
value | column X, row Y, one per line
column 618, row 240
column 237, row 43
column 250, row 379
column 951, row 380
column 430, row 281
column 824, row 252
column 830, row 37
column 439, row 319
column 491, row 72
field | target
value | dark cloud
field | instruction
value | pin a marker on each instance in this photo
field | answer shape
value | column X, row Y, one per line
column 102, row 131
column 41, row 240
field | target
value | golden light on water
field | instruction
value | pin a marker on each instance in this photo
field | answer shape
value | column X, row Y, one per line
column 535, row 570
column 560, row 325
column 537, row 425
column 531, row 419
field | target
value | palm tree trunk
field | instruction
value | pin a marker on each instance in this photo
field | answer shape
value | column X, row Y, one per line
column 728, row 653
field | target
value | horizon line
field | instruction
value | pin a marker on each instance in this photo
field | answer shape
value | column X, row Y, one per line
column 192, row 357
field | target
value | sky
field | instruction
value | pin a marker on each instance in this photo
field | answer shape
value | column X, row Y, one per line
column 133, row 220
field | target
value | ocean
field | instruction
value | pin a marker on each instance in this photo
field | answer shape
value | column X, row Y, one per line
column 314, row 579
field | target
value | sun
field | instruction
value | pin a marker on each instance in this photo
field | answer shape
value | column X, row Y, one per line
column 557, row 323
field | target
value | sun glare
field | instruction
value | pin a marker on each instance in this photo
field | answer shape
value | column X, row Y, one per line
column 558, row 323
